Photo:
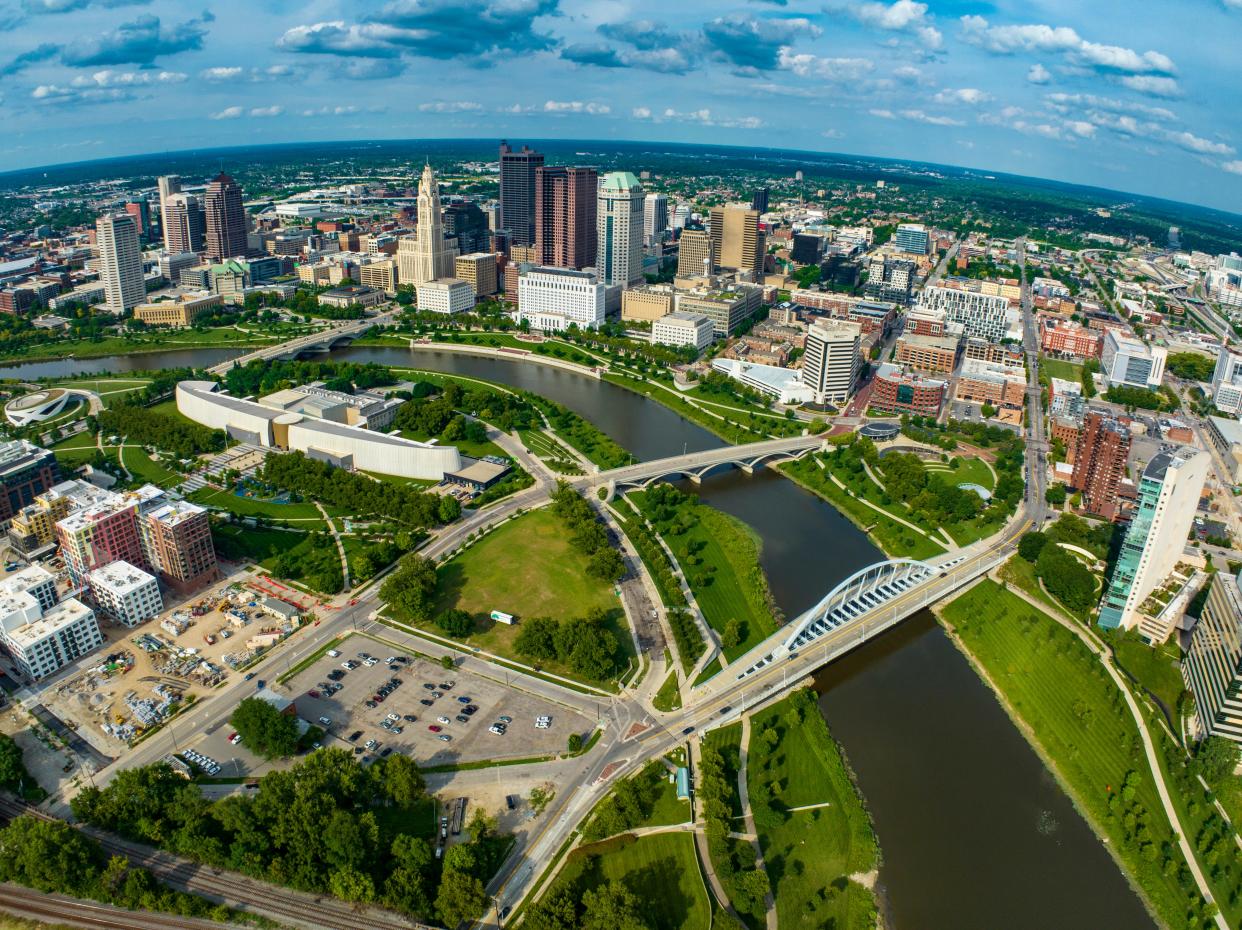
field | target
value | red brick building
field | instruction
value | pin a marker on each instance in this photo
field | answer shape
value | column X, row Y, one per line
column 895, row 391
column 1068, row 338
column 1100, row 464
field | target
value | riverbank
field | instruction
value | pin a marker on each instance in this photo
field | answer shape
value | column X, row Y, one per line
column 1074, row 717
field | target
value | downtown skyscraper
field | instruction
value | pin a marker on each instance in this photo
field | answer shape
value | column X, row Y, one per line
column 120, row 262
column 517, row 192
column 225, row 218
column 620, row 223
column 565, row 216
column 432, row 257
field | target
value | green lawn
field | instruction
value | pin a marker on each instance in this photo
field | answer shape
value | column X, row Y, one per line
column 809, row 854
column 669, row 696
column 546, row 448
column 662, row 870
column 735, row 427
column 1059, row 368
column 527, row 568
column 304, row 516
column 146, row 469
column 1020, row 572
column 1157, row 669
column 719, row 556
column 1079, row 720
column 76, row 450
column 895, row 539
column 475, row 450
column 151, row 341
column 246, row 543
column 972, row 471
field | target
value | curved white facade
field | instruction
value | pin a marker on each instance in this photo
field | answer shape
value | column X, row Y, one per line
column 360, row 448
column 31, row 408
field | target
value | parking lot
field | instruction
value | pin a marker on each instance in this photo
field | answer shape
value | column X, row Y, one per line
column 354, row 725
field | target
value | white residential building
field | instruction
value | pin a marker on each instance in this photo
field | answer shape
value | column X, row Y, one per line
column 985, row 316
column 34, row 580
column 125, row 593
column 681, row 328
column 619, row 216
column 1130, row 362
column 1227, row 382
column 553, row 298
column 830, row 364
column 41, row 635
column 445, row 295
column 120, row 262
column 655, row 217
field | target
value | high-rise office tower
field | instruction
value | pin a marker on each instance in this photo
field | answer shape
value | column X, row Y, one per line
column 565, row 223
column 620, row 224
column 830, row 366
column 167, row 184
column 1168, row 497
column 517, row 192
column 1100, row 464
column 759, row 202
column 1212, row 667
column 432, row 257
column 467, row 224
column 225, row 218
column 695, row 254
column 681, row 216
column 655, row 217
column 120, row 262
column 140, row 210
column 912, row 237
column 184, row 224
column 738, row 244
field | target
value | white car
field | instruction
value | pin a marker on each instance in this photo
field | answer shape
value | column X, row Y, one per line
column 394, row 716
column 499, row 731
column 443, row 720
column 325, row 721
column 334, row 653
column 542, row 723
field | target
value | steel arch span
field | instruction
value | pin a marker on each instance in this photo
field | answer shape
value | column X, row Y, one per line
column 858, row 594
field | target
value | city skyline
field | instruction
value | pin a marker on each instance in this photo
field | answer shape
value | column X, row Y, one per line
column 1043, row 91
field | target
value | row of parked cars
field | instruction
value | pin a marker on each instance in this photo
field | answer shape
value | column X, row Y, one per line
column 206, row 763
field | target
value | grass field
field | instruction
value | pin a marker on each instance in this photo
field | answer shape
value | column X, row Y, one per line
column 76, row 450
column 730, row 592
column 728, row 741
column 973, row 471
column 669, row 696
column 246, row 543
column 303, row 516
column 546, row 448
column 475, row 450
column 662, row 870
column 1156, row 668
column 1079, row 720
column 895, row 539
column 528, row 568
column 146, row 469
column 1059, row 368
column 1020, row 572
column 810, row 854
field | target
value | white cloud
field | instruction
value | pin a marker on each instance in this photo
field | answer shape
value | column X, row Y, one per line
column 455, row 106
column 219, row 75
column 971, row 96
column 108, row 78
column 907, row 73
column 1038, row 74
column 1032, row 37
column 883, row 114
column 832, row 134
column 229, row 113
column 707, row 118
column 1233, row 167
column 641, row 113
column 1064, row 103
column 932, row 119
column 901, row 16
column 265, row 112
column 332, row 111
column 1154, row 85
column 830, row 69
column 576, row 106
column 228, row 74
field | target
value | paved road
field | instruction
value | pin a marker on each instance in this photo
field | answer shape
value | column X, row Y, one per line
column 695, row 461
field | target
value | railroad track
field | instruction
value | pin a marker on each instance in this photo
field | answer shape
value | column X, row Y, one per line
column 294, row 908
column 35, row 905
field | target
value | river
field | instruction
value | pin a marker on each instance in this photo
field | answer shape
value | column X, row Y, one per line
column 975, row 833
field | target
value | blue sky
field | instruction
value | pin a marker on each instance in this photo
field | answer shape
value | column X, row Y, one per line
column 1136, row 96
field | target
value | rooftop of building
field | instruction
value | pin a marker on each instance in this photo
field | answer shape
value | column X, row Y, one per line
column 18, row 453
column 771, row 375
column 120, row 578
column 66, row 613
column 684, row 316
column 946, row 343
column 893, row 372
column 348, row 290
column 1229, row 428
column 446, row 283
column 621, row 181
column 174, row 512
column 25, row 579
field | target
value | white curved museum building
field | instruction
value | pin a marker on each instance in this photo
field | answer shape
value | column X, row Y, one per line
column 41, row 405
column 343, row 445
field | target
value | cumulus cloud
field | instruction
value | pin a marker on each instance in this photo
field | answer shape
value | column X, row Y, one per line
column 1153, row 85
column 1063, row 40
column 265, row 112
column 1065, row 102
column 902, row 16
column 576, row 106
column 105, row 86
column 457, row 106
column 917, row 116
column 229, row 113
column 1038, row 74
column 704, row 117
column 139, row 42
column 661, row 60
column 332, row 111
column 751, row 44
column 829, row 69
column 971, row 96
column 1233, row 167
column 441, row 29
column 642, row 34
column 229, row 74
column 641, row 113
column 37, row 7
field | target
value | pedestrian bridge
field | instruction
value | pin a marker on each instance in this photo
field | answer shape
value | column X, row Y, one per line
column 696, row 465
column 323, row 341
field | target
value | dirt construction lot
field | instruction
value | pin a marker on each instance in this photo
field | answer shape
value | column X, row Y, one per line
column 348, row 713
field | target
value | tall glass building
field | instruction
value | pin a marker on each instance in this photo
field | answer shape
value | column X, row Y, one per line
column 1168, row 496
column 1212, row 668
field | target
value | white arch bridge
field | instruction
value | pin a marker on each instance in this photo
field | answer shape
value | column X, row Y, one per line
column 862, row 606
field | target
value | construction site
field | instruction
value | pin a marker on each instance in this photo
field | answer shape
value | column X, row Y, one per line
column 148, row 673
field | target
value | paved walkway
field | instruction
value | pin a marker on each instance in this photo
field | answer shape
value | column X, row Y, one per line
column 700, row 838
column 892, row 516
column 340, row 546
column 1153, row 762
column 743, row 793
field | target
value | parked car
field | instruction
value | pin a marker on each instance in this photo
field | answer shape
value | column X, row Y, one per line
column 444, row 738
column 435, row 729
column 462, row 699
column 462, row 718
column 354, row 737
column 325, row 721
column 410, row 718
column 426, row 702
column 235, row 739
column 442, row 719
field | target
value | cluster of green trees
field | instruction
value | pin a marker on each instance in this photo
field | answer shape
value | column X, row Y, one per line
column 927, row 494
column 611, row 906
column 505, row 410
column 13, row 774
column 264, row 377
column 587, row 534
column 149, row 428
column 1065, row 577
column 314, row 560
column 612, row 339
column 1191, row 366
column 1138, row 397
column 327, row 825
column 305, row 302
column 1008, row 445
column 584, row 644
column 439, row 417
column 357, row 493
column 54, row 858
column 629, row 805
column 380, row 554
column 734, row 860
column 1094, row 537
column 582, row 434
column 264, row 729
column 687, row 635
column 410, row 589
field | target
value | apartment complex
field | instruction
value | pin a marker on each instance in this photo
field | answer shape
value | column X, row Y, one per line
column 26, row 471
column 1066, row 338
column 1168, row 496
column 927, row 353
column 1212, row 666
column 127, row 594
column 120, row 262
column 1100, row 457
column 982, row 316
column 177, row 537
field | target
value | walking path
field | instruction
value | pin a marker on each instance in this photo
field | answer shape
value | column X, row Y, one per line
column 700, row 839
column 340, row 546
column 1153, row 762
column 892, row 516
column 743, row 792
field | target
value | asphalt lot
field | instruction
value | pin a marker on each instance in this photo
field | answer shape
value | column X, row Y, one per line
column 348, row 713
